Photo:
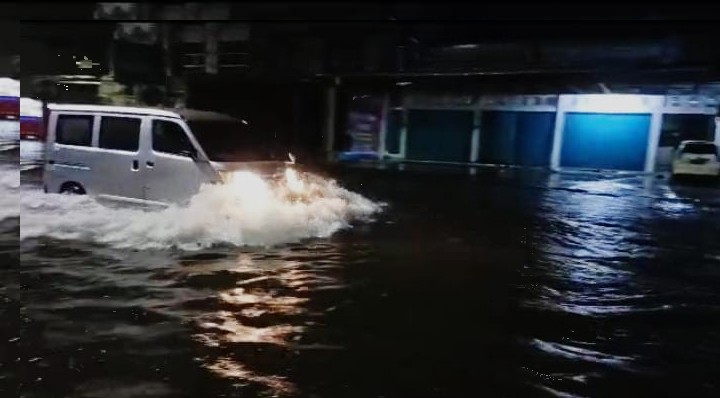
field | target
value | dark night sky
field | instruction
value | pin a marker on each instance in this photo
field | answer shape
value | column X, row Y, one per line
column 429, row 23
column 48, row 47
column 59, row 11
column 503, row 21
column 428, row 11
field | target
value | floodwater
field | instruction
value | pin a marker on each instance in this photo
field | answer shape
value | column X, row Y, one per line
column 9, row 260
column 427, row 285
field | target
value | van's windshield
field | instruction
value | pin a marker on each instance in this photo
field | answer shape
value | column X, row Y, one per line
column 698, row 148
column 226, row 141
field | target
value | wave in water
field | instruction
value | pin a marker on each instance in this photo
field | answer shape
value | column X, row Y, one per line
column 246, row 211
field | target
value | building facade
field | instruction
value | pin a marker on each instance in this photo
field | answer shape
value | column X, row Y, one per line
column 600, row 131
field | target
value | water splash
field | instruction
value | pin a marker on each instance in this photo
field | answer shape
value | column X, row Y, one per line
column 246, row 210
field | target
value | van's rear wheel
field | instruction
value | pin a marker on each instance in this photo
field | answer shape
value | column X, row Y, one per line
column 72, row 188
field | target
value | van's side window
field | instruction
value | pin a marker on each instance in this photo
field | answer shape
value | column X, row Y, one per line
column 122, row 133
column 169, row 137
column 74, row 130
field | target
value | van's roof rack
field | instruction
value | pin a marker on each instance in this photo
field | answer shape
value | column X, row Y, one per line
column 113, row 109
column 200, row 115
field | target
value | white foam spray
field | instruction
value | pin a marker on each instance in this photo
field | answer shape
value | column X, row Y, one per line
column 245, row 211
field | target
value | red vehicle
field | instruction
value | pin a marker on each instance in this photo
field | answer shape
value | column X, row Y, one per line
column 9, row 108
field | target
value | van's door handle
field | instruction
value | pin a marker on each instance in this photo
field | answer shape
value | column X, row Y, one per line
column 135, row 165
column 150, row 164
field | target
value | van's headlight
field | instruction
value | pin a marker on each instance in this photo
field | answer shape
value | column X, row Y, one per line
column 288, row 182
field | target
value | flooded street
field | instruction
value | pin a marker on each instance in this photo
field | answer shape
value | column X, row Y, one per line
column 499, row 284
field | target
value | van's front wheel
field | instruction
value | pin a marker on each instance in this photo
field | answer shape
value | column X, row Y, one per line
column 72, row 188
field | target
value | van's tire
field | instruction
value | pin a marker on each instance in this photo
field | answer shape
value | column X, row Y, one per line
column 72, row 188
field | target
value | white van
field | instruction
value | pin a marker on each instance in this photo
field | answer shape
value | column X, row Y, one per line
column 696, row 158
column 142, row 154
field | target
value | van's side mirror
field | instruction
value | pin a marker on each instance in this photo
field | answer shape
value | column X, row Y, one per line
column 191, row 153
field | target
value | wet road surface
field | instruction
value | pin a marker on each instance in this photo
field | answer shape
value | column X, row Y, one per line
column 497, row 285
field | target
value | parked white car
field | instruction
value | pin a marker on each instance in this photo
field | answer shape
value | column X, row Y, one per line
column 696, row 158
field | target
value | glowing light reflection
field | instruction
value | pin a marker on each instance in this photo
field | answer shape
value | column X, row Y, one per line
column 267, row 308
column 233, row 370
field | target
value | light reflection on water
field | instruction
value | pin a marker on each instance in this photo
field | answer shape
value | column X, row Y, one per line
column 570, row 273
column 267, row 310
column 575, row 351
column 234, row 370
column 593, row 255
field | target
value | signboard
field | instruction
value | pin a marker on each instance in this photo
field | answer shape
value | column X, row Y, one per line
column 420, row 100
column 691, row 104
column 519, row 102
column 364, row 124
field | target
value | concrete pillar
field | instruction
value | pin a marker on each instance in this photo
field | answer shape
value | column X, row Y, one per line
column 404, row 133
column 330, row 105
column 111, row 56
column 475, row 139
column 557, row 135
column 557, row 140
column 653, row 139
column 165, row 33
column 211, row 48
column 383, row 126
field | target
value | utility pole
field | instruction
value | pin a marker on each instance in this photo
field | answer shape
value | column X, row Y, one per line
column 165, row 35
column 211, row 48
column 330, row 111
